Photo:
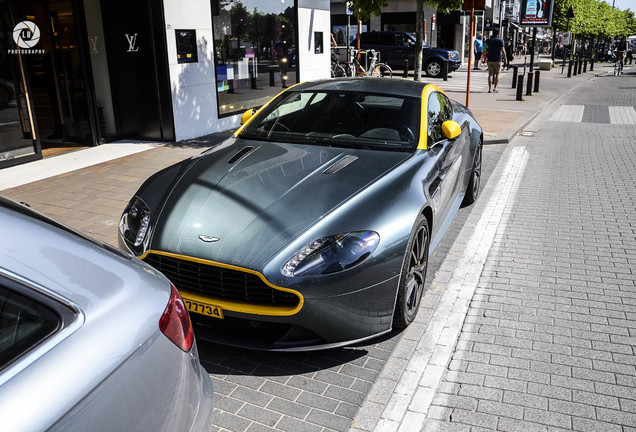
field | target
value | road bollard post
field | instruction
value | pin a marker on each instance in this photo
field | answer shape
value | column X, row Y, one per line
column 536, row 81
column 529, row 87
column 520, row 88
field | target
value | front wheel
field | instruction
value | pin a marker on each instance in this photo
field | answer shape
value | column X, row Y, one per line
column 382, row 70
column 413, row 275
column 434, row 69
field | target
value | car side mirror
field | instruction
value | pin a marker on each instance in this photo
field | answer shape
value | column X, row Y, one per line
column 451, row 129
column 247, row 115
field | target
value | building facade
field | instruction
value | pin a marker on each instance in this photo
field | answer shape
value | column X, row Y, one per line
column 90, row 71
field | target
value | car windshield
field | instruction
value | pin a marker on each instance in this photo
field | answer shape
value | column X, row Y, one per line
column 339, row 119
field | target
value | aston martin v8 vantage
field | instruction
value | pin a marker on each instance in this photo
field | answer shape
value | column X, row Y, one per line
column 311, row 226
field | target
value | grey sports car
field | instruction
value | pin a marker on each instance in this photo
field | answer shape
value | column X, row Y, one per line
column 91, row 339
column 311, row 227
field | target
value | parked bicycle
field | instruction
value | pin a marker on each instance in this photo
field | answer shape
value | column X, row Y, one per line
column 374, row 68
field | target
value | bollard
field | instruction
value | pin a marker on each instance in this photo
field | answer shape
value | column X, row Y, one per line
column 575, row 68
column 536, row 81
column 529, row 88
column 515, row 70
column 520, row 88
column 584, row 65
column 570, row 69
column 445, row 70
column 252, row 80
column 406, row 68
column 272, row 81
column 580, row 66
column 592, row 64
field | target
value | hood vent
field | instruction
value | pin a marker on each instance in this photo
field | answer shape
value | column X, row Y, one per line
column 241, row 154
column 340, row 164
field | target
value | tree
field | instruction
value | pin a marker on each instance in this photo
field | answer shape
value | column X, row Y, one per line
column 441, row 6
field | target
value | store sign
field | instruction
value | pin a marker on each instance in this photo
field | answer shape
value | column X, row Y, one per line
column 132, row 43
column 26, row 35
column 536, row 13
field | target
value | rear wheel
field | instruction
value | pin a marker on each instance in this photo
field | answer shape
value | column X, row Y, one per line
column 475, row 178
column 413, row 275
column 382, row 70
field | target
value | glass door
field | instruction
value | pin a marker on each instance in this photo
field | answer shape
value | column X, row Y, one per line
column 58, row 76
column 18, row 133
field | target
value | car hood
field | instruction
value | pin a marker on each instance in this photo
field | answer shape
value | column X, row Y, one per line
column 243, row 202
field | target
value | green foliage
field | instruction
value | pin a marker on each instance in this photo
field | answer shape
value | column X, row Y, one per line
column 444, row 5
column 594, row 18
column 362, row 9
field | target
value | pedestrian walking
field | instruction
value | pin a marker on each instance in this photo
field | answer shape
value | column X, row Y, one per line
column 496, row 52
column 478, row 50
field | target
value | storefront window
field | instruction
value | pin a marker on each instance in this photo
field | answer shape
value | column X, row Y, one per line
column 17, row 136
column 255, row 51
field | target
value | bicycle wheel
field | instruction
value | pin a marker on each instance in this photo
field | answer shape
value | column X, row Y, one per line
column 382, row 70
column 338, row 71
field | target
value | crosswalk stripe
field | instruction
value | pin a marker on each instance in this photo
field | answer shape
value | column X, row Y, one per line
column 569, row 113
column 622, row 115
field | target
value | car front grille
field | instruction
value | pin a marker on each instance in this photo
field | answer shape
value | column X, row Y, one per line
column 220, row 283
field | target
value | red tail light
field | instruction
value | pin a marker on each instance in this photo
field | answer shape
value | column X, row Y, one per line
column 175, row 322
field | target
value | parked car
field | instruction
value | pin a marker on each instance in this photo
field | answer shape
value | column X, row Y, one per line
column 395, row 47
column 90, row 337
column 312, row 226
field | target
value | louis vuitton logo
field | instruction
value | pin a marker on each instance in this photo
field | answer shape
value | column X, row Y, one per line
column 132, row 42
column 93, row 44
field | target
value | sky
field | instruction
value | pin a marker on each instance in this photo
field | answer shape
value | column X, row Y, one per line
column 623, row 4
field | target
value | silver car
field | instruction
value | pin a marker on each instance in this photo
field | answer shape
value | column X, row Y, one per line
column 91, row 338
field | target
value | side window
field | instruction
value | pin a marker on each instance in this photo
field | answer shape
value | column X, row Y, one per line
column 439, row 110
column 24, row 323
column 401, row 40
column 385, row 39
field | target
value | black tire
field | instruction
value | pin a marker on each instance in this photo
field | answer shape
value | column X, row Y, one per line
column 382, row 70
column 337, row 71
column 413, row 275
column 434, row 69
column 472, row 191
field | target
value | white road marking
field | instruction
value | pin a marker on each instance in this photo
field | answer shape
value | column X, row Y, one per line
column 622, row 115
column 569, row 113
column 428, row 359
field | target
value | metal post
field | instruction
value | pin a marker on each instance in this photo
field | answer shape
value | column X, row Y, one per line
column 584, row 65
column 520, row 88
column 252, row 80
column 570, row 69
column 580, row 66
column 515, row 70
column 529, row 88
column 445, row 70
column 536, row 81
column 406, row 68
column 592, row 64
column 272, row 81
column 534, row 46
column 576, row 67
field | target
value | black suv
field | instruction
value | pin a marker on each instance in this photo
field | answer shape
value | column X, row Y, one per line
column 394, row 47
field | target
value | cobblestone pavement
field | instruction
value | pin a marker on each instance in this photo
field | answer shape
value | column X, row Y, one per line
column 549, row 341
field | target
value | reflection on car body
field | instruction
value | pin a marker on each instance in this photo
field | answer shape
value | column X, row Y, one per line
column 326, row 204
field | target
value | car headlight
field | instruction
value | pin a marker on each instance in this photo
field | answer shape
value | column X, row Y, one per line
column 135, row 222
column 332, row 254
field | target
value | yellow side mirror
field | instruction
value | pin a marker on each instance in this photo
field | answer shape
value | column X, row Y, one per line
column 451, row 129
column 247, row 115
